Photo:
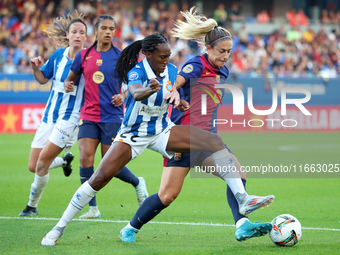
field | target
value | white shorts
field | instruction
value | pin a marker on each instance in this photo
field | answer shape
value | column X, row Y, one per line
column 62, row 133
column 156, row 143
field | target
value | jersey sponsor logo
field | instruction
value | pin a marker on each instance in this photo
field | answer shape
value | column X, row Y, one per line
column 133, row 76
column 153, row 111
column 207, row 73
column 99, row 62
column 218, row 78
column 98, row 77
column 88, row 57
column 188, row 68
column 169, row 86
column 178, row 156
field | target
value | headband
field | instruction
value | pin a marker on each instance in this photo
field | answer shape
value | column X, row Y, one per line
column 224, row 37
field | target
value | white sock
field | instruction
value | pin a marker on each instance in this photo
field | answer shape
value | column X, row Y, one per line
column 240, row 222
column 228, row 171
column 57, row 162
column 81, row 198
column 37, row 189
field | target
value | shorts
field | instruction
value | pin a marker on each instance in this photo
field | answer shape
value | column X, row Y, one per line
column 188, row 159
column 63, row 133
column 104, row 132
column 156, row 143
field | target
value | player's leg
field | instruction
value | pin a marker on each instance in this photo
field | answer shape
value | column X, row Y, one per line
column 116, row 157
column 32, row 161
column 46, row 146
column 88, row 141
column 107, row 135
column 171, row 185
column 183, row 138
column 245, row 229
column 87, row 150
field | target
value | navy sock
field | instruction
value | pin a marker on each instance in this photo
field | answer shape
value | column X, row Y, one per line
column 127, row 176
column 233, row 203
column 147, row 211
column 85, row 174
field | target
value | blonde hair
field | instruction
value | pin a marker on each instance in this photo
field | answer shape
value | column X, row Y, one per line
column 57, row 30
column 198, row 28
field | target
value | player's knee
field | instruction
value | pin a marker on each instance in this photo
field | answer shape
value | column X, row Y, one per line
column 86, row 160
column 31, row 167
column 168, row 197
column 215, row 142
column 99, row 179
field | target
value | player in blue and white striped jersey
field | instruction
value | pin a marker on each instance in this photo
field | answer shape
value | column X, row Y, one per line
column 58, row 128
column 150, row 116
column 147, row 106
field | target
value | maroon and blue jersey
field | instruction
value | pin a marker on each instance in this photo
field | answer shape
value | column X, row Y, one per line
column 200, row 77
column 101, row 83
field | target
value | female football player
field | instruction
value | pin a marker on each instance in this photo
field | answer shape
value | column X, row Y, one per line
column 58, row 128
column 102, row 113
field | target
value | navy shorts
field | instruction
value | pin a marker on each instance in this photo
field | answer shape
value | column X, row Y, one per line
column 188, row 159
column 104, row 132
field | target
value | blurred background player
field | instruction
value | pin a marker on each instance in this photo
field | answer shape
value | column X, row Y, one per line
column 210, row 68
column 102, row 113
column 58, row 128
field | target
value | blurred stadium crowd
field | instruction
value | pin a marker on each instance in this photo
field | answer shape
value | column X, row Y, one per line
column 296, row 51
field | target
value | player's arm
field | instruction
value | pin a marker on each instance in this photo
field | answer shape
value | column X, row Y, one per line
column 36, row 63
column 118, row 99
column 69, row 81
column 140, row 93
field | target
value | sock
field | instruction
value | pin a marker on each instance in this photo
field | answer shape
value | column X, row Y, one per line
column 81, row 198
column 37, row 189
column 85, row 175
column 57, row 162
column 233, row 203
column 147, row 211
column 127, row 176
column 227, row 170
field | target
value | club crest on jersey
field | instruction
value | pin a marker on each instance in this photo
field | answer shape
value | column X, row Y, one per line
column 178, row 156
column 99, row 62
column 169, row 86
column 133, row 76
column 188, row 68
column 98, row 77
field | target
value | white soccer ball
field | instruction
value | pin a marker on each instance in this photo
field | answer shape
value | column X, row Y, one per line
column 286, row 230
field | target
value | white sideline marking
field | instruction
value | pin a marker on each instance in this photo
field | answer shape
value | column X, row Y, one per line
column 152, row 222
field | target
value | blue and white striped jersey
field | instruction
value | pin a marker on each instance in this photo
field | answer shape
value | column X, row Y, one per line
column 61, row 105
column 148, row 117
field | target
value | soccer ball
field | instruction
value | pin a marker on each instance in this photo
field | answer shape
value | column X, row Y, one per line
column 286, row 230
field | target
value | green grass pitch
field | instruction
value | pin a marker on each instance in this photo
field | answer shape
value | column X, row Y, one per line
column 314, row 201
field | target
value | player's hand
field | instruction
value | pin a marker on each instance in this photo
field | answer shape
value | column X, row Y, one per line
column 118, row 100
column 154, row 85
column 68, row 86
column 36, row 63
column 183, row 106
column 173, row 97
